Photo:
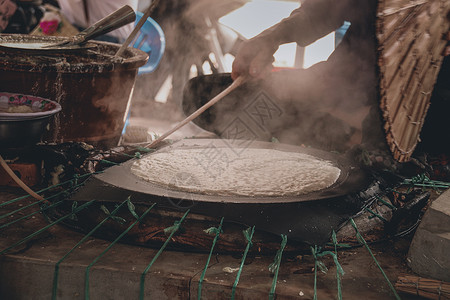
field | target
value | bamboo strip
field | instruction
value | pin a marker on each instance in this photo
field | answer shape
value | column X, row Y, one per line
column 423, row 64
column 404, row 24
column 398, row 6
column 423, row 20
column 407, row 89
column 394, row 23
column 398, row 44
column 400, row 129
column 418, row 112
column 423, row 287
column 413, row 119
column 417, row 115
column 408, row 95
column 414, row 138
column 404, row 68
column 422, row 41
column 391, row 70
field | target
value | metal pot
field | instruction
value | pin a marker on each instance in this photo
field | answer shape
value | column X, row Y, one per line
column 20, row 129
column 22, row 133
column 92, row 85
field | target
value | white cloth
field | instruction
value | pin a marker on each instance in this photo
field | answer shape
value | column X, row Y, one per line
column 73, row 10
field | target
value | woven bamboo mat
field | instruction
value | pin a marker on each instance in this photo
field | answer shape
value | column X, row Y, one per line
column 410, row 46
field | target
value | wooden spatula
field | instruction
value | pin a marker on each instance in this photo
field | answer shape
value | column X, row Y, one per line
column 199, row 111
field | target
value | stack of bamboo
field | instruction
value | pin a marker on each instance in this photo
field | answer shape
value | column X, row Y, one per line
column 410, row 46
column 423, row 287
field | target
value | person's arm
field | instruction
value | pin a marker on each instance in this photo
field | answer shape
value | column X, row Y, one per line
column 313, row 20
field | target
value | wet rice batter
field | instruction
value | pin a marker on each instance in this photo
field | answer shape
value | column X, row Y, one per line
column 242, row 172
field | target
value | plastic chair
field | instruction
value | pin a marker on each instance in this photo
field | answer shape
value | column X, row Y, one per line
column 151, row 40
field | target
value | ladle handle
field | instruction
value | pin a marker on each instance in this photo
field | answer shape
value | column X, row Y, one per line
column 199, row 111
column 117, row 19
column 138, row 26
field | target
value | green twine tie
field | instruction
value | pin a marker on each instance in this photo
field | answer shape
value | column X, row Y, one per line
column 362, row 241
column 213, row 230
column 275, row 266
column 318, row 264
column 248, row 234
column 210, row 231
column 132, row 208
column 338, row 273
column 173, row 228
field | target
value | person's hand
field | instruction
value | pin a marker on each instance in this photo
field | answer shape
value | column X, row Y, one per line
column 255, row 57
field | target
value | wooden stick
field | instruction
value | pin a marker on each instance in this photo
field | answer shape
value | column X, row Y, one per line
column 18, row 181
column 199, row 111
column 136, row 29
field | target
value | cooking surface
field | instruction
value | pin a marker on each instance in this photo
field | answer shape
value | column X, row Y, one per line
column 310, row 217
column 350, row 180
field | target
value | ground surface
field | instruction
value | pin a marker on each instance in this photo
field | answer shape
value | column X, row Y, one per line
column 26, row 271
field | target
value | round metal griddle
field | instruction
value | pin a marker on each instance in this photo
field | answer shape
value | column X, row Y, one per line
column 349, row 180
column 309, row 218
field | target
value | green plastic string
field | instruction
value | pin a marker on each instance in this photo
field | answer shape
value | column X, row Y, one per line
column 118, row 219
column 386, row 203
column 46, row 227
column 131, row 208
column 108, row 162
column 32, row 214
column 318, row 264
column 75, row 179
column 42, row 190
column 275, row 266
column 86, row 280
column 248, row 234
column 213, row 230
column 338, row 274
column 30, row 205
column 363, row 242
column 217, row 232
column 423, row 181
column 374, row 214
column 173, row 229
column 56, row 272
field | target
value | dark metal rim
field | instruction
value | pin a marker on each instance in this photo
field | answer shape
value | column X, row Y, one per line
column 351, row 179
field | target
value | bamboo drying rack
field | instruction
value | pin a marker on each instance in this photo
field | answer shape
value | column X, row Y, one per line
column 410, row 45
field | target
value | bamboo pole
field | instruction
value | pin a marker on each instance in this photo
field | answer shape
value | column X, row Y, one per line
column 199, row 111
column 423, row 287
column 18, row 181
